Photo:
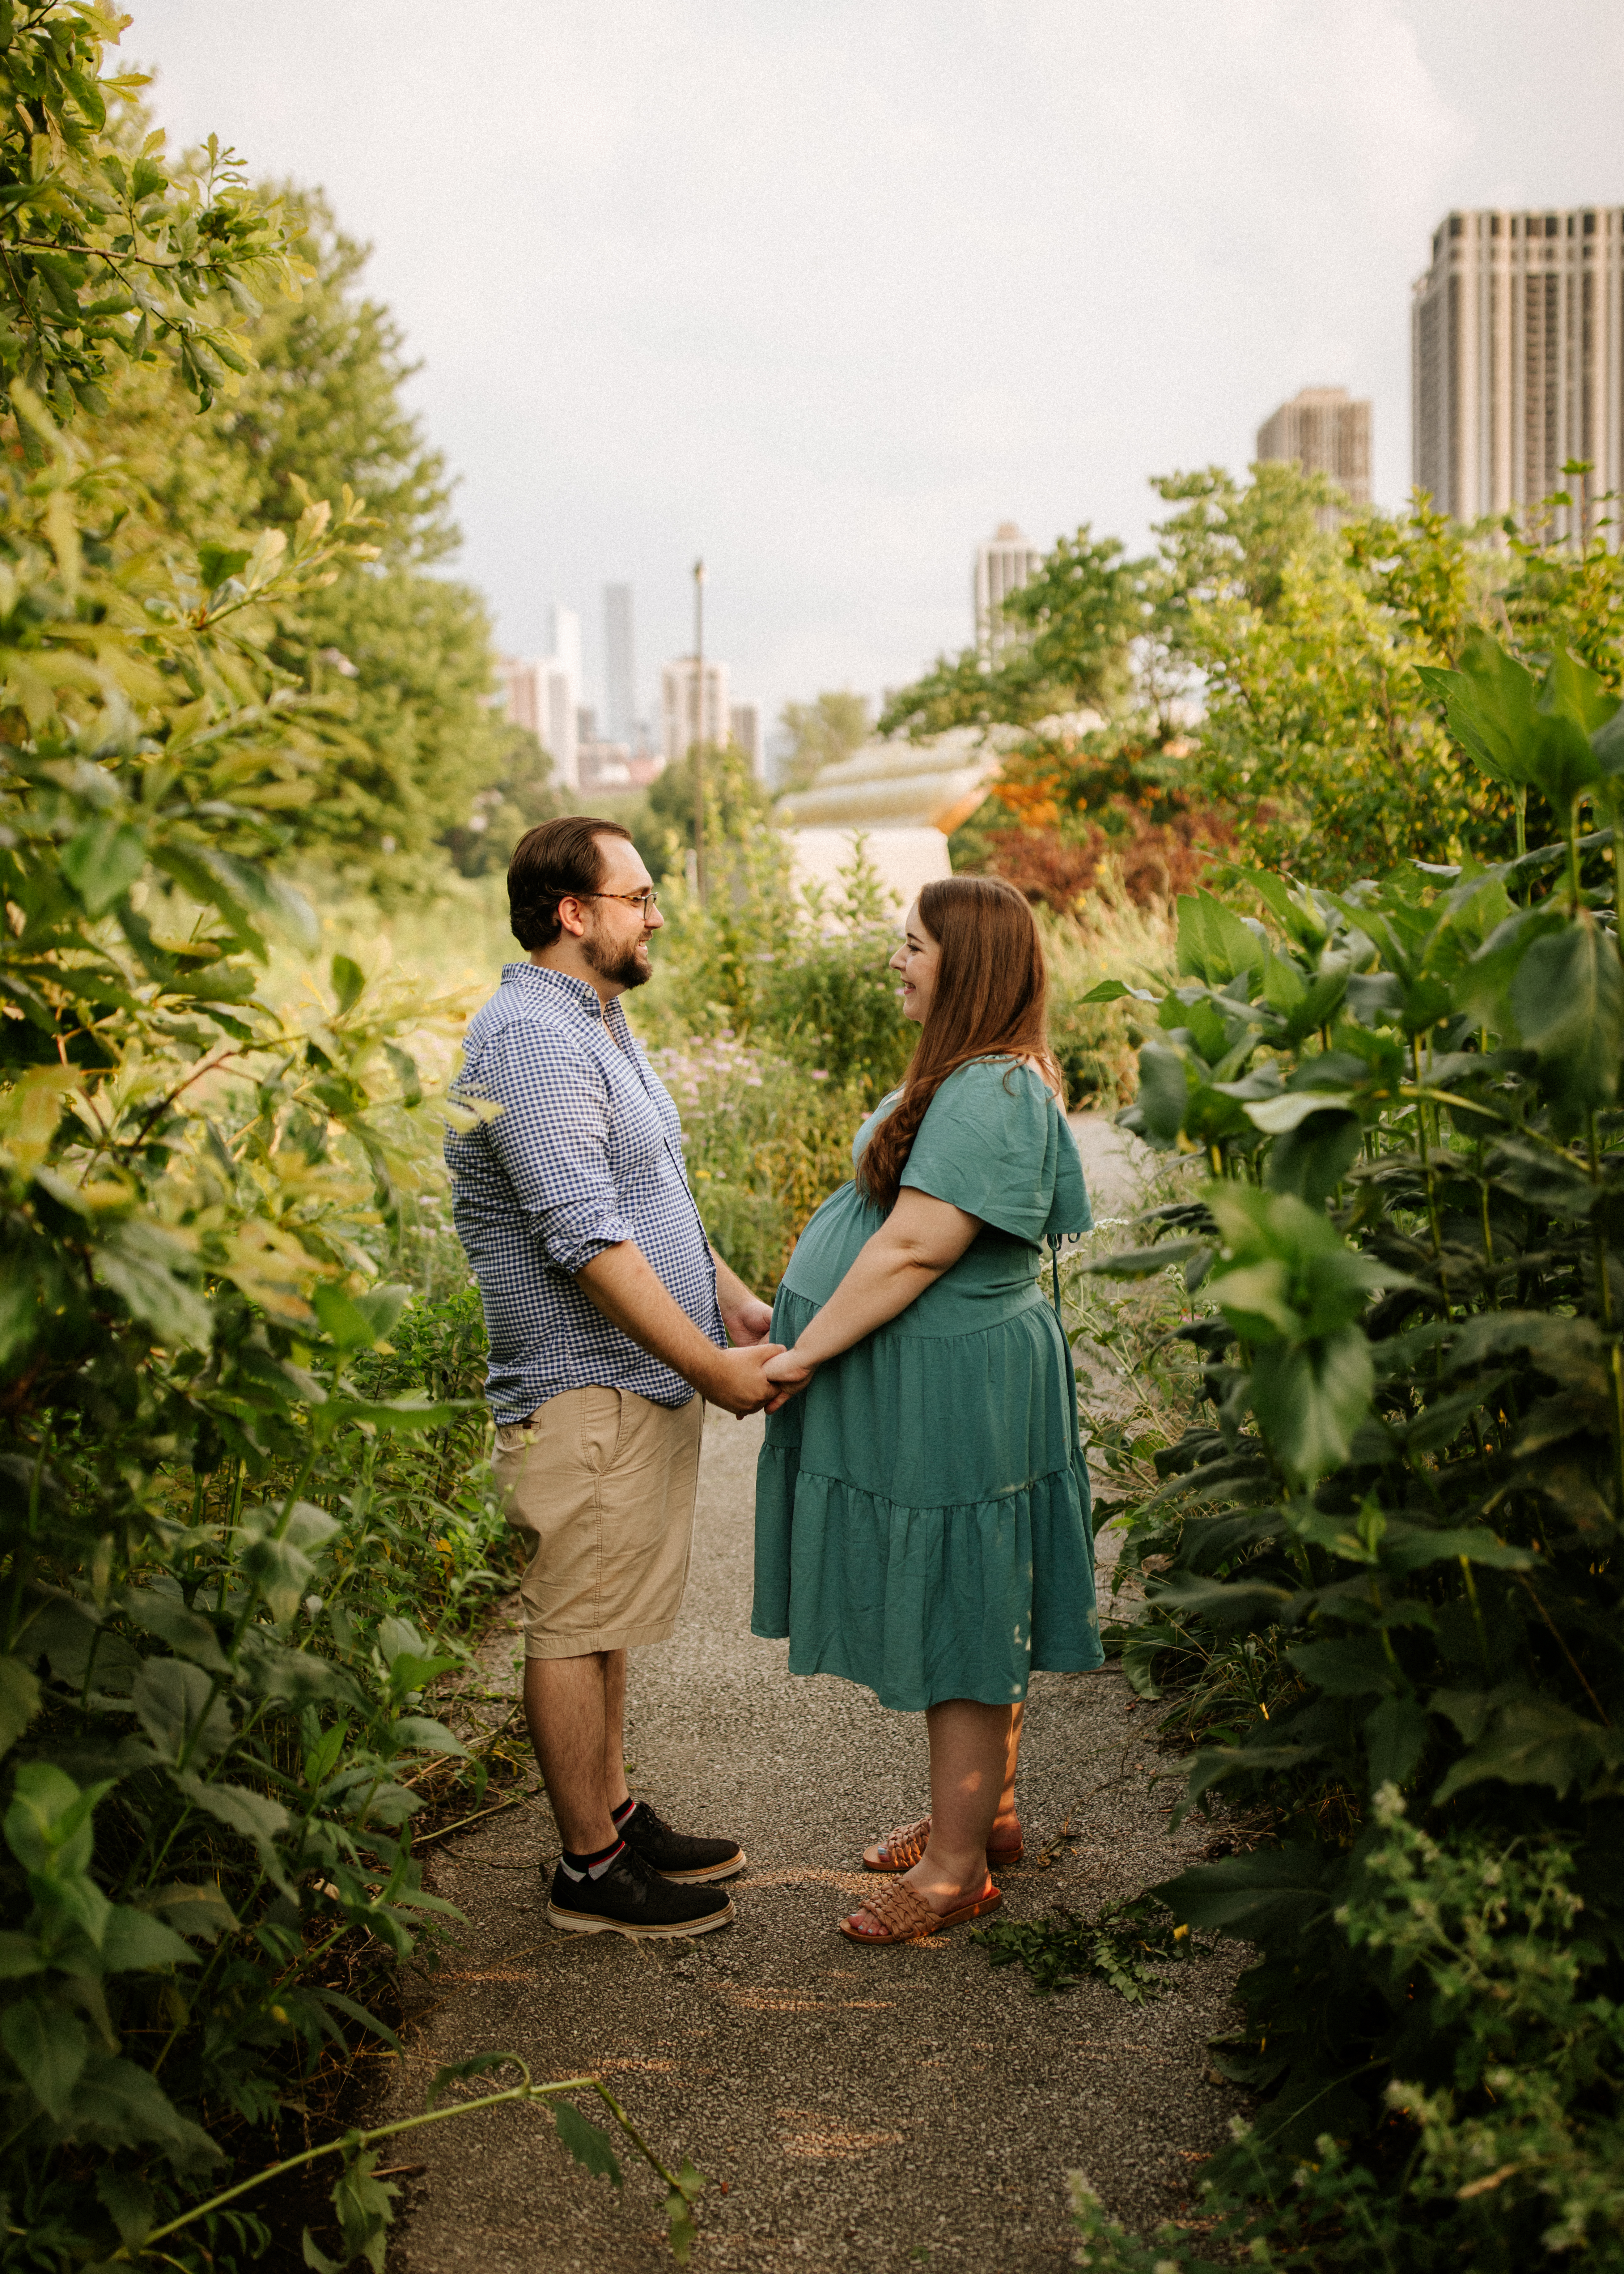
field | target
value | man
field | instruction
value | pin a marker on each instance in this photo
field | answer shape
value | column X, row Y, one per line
column 606, row 1310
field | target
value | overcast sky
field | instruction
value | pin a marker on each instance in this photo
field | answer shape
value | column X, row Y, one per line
column 825, row 288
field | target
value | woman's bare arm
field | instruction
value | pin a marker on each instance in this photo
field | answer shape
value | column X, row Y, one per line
column 919, row 1240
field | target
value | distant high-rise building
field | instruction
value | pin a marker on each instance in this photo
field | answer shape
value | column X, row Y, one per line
column 1003, row 564
column 680, row 721
column 1325, row 431
column 619, row 665
column 543, row 693
column 1517, row 359
column 744, row 721
column 521, row 696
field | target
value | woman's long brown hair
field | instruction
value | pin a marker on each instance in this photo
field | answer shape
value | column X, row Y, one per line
column 990, row 1001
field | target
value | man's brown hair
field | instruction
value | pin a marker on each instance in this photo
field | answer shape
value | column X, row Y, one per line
column 549, row 863
column 990, row 1001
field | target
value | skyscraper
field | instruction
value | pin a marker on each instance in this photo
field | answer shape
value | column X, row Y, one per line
column 1003, row 564
column 1517, row 359
column 1325, row 431
column 678, row 707
column 543, row 693
column 619, row 667
column 745, row 727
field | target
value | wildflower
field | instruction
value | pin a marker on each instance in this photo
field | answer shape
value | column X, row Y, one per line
column 820, row 1074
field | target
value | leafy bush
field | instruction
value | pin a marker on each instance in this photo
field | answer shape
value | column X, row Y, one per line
column 811, row 970
column 1108, row 939
column 1397, row 1525
column 245, row 1517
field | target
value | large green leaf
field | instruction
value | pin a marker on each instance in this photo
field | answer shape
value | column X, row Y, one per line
column 50, row 2046
column 48, row 1825
column 19, row 1700
column 1534, row 1739
column 1310, row 1397
column 120, row 2105
column 151, row 1270
column 1213, row 944
column 103, row 860
column 182, row 1712
column 1253, row 1895
column 586, row 2142
column 1568, row 999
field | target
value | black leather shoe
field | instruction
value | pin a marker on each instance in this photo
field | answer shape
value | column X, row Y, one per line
column 630, row 1899
column 674, row 1855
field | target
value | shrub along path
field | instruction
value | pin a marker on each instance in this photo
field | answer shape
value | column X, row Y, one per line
column 865, row 2109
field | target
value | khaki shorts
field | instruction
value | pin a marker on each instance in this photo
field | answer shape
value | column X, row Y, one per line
column 600, row 1485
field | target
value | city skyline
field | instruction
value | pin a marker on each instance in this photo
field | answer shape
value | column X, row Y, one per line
column 734, row 283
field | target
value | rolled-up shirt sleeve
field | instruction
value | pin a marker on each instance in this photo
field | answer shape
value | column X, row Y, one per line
column 551, row 1140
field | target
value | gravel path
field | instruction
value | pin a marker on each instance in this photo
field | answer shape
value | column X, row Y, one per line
column 865, row 2109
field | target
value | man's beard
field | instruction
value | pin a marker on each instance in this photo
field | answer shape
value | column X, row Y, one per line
column 627, row 966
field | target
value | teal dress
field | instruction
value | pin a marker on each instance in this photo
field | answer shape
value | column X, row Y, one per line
column 922, row 1508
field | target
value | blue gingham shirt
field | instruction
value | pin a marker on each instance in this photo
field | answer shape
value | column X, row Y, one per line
column 586, row 1152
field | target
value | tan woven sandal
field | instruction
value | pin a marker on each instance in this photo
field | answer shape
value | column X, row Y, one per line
column 907, row 1918
column 901, row 1849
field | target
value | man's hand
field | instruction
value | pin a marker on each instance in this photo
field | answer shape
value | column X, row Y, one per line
column 749, row 1322
column 789, row 1373
column 746, row 1317
column 738, row 1381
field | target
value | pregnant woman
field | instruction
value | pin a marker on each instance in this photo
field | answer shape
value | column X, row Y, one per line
column 922, row 1509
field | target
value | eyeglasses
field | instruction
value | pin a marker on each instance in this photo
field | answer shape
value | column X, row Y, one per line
column 643, row 901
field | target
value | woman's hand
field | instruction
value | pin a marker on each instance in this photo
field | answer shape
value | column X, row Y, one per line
column 791, row 1373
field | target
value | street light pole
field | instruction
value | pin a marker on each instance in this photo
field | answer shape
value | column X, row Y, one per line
column 699, row 728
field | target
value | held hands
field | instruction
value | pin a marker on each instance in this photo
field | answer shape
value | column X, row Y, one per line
column 789, row 1373
column 738, row 1381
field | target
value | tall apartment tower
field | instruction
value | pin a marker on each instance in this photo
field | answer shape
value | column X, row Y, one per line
column 1325, row 431
column 1517, row 359
column 680, row 723
column 1003, row 564
column 620, row 668
column 745, row 730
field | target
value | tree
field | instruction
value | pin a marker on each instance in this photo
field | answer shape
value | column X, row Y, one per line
column 109, row 255
column 820, row 734
column 410, row 653
column 1077, row 621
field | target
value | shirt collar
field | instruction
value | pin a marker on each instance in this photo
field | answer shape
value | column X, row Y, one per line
column 580, row 991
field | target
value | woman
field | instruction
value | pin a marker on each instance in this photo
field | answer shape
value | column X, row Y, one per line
column 923, row 1507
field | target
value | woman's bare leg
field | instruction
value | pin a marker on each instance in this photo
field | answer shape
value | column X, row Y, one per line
column 1006, row 1822
column 971, row 1750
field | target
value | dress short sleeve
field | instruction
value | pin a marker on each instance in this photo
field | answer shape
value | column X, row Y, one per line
column 994, row 1143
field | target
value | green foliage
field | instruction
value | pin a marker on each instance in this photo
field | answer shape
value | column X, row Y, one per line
column 405, row 656
column 1305, row 638
column 810, row 970
column 736, row 805
column 521, row 795
column 322, row 406
column 109, row 254
column 1513, row 2150
column 1389, row 1555
column 246, row 1514
column 1126, row 1946
column 820, row 734
column 1077, row 618
column 411, row 657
